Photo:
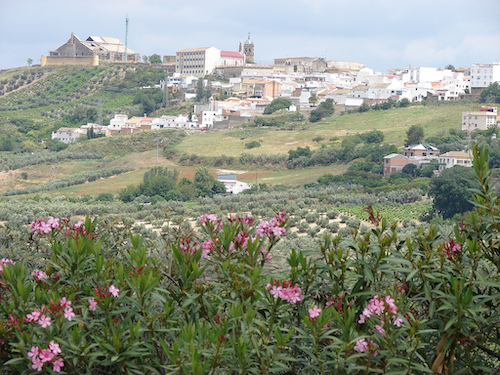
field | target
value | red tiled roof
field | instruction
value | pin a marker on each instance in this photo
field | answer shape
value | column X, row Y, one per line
column 231, row 54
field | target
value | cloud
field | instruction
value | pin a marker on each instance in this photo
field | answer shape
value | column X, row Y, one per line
column 427, row 52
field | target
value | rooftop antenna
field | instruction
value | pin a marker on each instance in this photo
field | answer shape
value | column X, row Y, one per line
column 126, row 38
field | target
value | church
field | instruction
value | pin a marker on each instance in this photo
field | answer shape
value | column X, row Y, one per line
column 91, row 51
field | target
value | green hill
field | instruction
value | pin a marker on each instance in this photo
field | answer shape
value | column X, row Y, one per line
column 35, row 101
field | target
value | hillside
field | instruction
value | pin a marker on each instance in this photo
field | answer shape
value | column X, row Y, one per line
column 35, row 101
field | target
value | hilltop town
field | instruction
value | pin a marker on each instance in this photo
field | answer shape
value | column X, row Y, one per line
column 247, row 88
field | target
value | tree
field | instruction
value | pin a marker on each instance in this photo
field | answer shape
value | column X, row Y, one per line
column 375, row 136
column 276, row 105
column 29, row 61
column 404, row 103
column 313, row 99
column 409, row 169
column 491, row 94
column 155, row 59
column 365, row 107
column 145, row 59
column 451, row 191
column 204, row 182
column 414, row 135
column 325, row 109
column 450, row 67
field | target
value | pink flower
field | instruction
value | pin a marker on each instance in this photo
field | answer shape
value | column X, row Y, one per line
column 64, row 302
column 54, row 347
column 4, row 262
column 78, row 224
column 361, row 346
column 53, row 222
column 37, row 363
column 92, row 304
column 114, row 291
column 46, row 355
column 58, row 363
column 208, row 217
column 34, row 352
column 44, row 321
column 314, row 312
column 68, row 313
column 39, row 274
column 33, row 317
column 398, row 321
column 380, row 329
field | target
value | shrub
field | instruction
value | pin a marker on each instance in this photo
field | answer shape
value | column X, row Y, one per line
column 252, row 144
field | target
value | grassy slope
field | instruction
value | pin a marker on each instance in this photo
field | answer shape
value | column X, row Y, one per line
column 393, row 122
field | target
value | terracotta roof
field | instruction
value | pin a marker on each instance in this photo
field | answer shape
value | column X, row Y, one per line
column 456, row 154
column 231, row 54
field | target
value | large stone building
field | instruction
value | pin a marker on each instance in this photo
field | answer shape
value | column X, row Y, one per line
column 92, row 51
column 300, row 64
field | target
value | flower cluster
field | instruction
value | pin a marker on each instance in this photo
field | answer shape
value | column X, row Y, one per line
column 62, row 307
column 285, row 291
column 39, row 275
column 274, row 227
column 451, row 249
column 5, row 262
column 383, row 308
column 38, row 316
column 40, row 226
column 366, row 346
column 40, row 356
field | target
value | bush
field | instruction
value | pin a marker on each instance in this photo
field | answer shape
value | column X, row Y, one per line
column 252, row 144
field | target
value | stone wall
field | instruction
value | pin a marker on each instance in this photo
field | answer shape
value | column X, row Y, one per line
column 84, row 61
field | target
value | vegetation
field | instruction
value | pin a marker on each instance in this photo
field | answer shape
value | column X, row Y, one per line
column 276, row 105
column 206, row 301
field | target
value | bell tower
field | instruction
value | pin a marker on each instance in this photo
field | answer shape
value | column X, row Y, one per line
column 248, row 50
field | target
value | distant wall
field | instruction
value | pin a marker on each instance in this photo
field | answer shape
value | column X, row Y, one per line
column 84, row 60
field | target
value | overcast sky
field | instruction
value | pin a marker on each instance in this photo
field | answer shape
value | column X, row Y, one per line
column 382, row 34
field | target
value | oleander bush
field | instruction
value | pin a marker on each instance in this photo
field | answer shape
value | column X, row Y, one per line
column 235, row 297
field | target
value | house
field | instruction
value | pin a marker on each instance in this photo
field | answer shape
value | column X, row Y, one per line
column 421, row 151
column 394, row 163
column 91, row 51
column 452, row 158
column 68, row 135
column 233, row 186
column 483, row 119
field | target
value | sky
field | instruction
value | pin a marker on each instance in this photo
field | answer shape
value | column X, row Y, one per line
column 382, row 34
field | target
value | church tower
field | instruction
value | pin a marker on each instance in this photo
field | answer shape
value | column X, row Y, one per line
column 248, row 50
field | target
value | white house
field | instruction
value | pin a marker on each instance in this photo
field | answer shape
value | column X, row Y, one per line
column 233, row 186
column 452, row 158
column 117, row 122
column 68, row 135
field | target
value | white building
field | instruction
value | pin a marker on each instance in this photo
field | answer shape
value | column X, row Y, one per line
column 452, row 158
column 482, row 75
column 233, row 186
column 68, row 135
column 197, row 61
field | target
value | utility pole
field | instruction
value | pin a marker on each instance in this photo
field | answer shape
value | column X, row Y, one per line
column 99, row 112
column 126, row 39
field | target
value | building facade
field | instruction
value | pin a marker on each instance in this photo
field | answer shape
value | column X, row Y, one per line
column 91, row 51
column 483, row 119
column 482, row 75
column 197, row 61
